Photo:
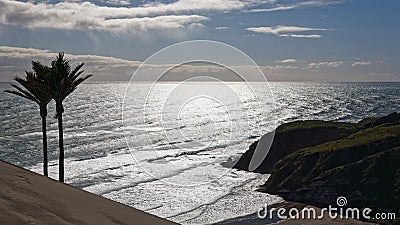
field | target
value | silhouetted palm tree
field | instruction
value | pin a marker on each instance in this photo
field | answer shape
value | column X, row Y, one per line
column 64, row 81
column 36, row 88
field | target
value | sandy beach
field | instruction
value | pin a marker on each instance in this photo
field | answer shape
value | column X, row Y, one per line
column 29, row 198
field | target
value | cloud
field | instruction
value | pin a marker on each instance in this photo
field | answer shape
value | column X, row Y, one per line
column 287, row 31
column 72, row 15
column 221, row 28
column 317, row 65
column 278, row 67
column 14, row 61
column 313, row 3
column 47, row 55
column 116, row 2
column 360, row 63
column 301, row 35
column 278, row 8
column 281, row 29
column 286, row 61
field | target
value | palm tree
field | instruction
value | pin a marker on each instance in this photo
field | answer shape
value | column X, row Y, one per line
column 35, row 87
column 64, row 81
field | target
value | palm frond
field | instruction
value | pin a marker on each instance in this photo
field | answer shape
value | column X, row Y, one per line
column 35, row 85
column 65, row 81
column 60, row 66
column 75, row 83
column 77, row 75
column 25, row 94
column 21, row 95
column 73, row 73
column 42, row 72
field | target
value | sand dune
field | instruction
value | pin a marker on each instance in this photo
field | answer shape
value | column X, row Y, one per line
column 29, row 198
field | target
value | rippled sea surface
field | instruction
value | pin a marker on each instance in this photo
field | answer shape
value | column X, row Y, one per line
column 172, row 167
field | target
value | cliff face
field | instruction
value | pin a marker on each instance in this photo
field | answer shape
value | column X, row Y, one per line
column 294, row 136
column 364, row 166
column 323, row 161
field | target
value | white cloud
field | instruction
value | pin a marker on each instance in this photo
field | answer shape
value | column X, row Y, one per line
column 71, row 15
column 116, row 2
column 278, row 67
column 287, row 31
column 286, row 61
column 317, row 65
column 29, row 54
column 361, row 63
column 301, row 35
column 15, row 60
column 312, row 3
column 277, row 8
column 281, row 29
column 221, row 28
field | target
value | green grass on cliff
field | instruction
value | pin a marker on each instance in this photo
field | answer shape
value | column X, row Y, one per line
column 361, row 137
column 307, row 124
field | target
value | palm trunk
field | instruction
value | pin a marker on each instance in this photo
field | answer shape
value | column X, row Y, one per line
column 45, row 162
column 61, row 145
column 43, row 115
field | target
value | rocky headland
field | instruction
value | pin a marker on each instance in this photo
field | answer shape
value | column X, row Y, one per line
column 315, row 162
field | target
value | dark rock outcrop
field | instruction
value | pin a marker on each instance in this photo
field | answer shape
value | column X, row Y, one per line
column 294, row 136
column 363, row 165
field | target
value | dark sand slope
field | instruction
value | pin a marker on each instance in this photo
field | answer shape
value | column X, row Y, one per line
column 29, row 198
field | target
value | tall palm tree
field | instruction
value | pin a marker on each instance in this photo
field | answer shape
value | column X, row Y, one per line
column 35, row 87
column 64, row 81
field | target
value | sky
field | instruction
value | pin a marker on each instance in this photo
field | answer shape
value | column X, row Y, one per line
column 290, row 40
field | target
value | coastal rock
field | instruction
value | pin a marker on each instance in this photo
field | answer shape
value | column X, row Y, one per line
column 364, row 167
column 294, row 136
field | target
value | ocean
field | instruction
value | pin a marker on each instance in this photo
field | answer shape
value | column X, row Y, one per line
column 165, row 155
